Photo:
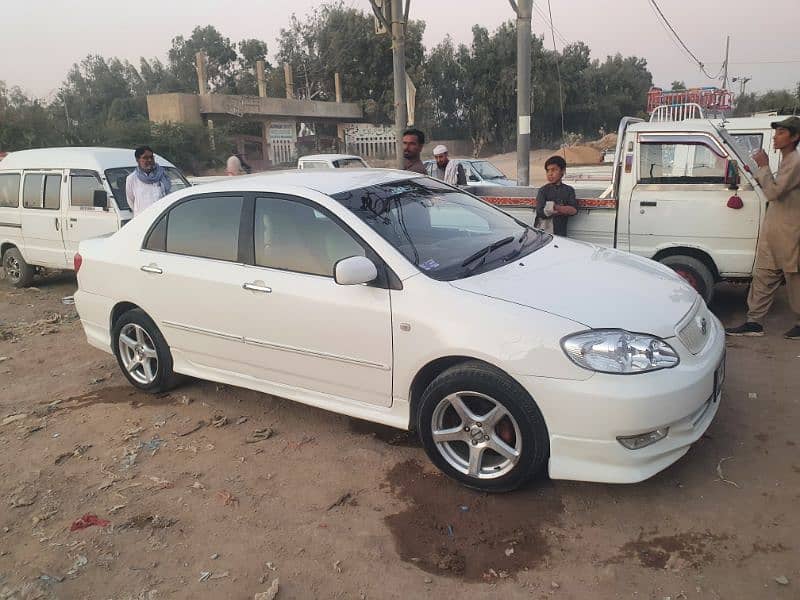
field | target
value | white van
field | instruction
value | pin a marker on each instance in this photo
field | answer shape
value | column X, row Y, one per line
column 331, row 161
column 52, row 198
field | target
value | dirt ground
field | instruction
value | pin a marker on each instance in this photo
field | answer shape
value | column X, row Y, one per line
column 200, row 506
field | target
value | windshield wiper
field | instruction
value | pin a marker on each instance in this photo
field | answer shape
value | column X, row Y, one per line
column 523, row 243
column 484, row 252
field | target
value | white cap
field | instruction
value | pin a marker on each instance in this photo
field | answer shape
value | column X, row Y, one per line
column 440, row 149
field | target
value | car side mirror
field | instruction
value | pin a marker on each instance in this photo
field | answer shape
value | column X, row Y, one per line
column 732, row 174
column 473, row 178
column 355, row 270
column 100, row 199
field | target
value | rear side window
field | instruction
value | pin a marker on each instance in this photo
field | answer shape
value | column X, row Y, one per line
column 681, row 163
column 9, row 190
column 52, row 192
column 207, row 227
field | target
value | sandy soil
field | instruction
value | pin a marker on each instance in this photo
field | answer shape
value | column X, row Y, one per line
column 198, row 507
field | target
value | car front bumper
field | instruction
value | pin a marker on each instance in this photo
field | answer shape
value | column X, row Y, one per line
column 585, row 418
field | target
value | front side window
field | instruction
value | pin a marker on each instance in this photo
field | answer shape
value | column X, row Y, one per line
column 689, row 163
column 293, row 236
column 116, row 180
column 82, row 188
column 206, row 227
column 446, row 233
column 9, row 190
column 487, row 170
column 32, row 191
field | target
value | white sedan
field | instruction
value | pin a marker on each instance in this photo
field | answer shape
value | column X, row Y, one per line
column 395, row 298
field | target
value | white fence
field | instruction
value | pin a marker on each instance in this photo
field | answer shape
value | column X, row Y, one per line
column 375, row 141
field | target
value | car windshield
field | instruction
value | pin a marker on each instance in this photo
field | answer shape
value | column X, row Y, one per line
column 445, row 232
column 487, row 170
column 349, row 163
column 116, row 179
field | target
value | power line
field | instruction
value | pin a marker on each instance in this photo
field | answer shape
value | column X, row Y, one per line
column 683, row 45
column 558, row 71
column 550, row 22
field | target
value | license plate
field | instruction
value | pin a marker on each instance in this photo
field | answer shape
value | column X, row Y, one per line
column 719, row 378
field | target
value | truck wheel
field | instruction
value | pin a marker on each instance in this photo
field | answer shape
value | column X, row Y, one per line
column 482, row 428
column 17, row 271
column 695, row 272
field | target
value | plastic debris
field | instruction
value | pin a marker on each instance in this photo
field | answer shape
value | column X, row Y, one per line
column 219, row 420
column 204, row 576
column 79, row 450
column 259, row 435
column 153, row 445
column 464, row 508
column 782, row 580
column 222, row 575
column 241, row 420
column 214, row 556
column 68, row 300
column 191, row 429
column 79, row 563
column 14, row 418
column 227, row 498
column 752, row 396
column 88, row 520
column 271, row 593
column 337, row 566
column 185, row 400
column 509, row 551
column 96, row 380
column 343, row 499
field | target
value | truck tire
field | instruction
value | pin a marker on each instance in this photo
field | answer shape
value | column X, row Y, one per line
column 695, row 272
column 17, row 271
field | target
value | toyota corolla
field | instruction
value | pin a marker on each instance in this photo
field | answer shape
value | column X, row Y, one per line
column 395, row 298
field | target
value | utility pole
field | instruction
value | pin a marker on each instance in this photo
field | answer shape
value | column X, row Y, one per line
column 523, row 8
column 398, row 15
column 725, row 64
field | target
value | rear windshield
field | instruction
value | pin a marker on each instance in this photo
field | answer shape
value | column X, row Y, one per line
column 116, row 179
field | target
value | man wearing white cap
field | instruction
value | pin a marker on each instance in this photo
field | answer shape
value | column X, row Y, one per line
column 447, row 170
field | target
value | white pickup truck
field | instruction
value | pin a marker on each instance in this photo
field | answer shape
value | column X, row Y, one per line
column 682, row 193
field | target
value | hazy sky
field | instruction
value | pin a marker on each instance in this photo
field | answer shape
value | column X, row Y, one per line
column 40, row 40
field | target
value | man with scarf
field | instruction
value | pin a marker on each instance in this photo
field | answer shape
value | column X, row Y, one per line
column 148, row 183
column 445, row 169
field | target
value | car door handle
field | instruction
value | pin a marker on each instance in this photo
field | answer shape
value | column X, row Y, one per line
column 151, row 269
column 648, row 203
column 58, row 225
column 257, row 287
column 73, row 219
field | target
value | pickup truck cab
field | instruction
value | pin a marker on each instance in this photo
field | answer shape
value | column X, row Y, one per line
column 682, row 193
column 331, row 161
column 53, row 198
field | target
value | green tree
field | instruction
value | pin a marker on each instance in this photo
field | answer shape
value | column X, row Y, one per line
column 220, row 53
column 677, row 86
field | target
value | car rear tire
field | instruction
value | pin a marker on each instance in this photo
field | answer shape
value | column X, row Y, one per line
column 17, row 271
column 482, row 428
column 693, row 271
column 142, row 352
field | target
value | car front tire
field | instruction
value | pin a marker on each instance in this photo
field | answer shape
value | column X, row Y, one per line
column 142, row 352
column 482, row 428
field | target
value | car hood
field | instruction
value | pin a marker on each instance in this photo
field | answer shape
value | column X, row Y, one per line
column 597, row 287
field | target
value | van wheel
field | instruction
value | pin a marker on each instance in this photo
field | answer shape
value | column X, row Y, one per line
column 142, row 352
column 17, row 271
column 482, row 428
column 695, row 272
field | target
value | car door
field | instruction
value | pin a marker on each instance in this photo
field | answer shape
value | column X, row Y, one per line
column 303, row 330
column 190, row 281
column 84, row 220
column 680, row 198
column 42, row 219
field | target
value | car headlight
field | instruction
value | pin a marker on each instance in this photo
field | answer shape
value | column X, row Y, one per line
column 619, row 352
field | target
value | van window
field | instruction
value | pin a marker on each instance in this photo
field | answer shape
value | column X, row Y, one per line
column 82, row 188
column 689, row 163
column 52, row 192
column 750, row 142
column 32, row 191
column 116, row 180
column 9, row 190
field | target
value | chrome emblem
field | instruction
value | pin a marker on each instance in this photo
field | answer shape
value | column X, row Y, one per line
column 703, row 325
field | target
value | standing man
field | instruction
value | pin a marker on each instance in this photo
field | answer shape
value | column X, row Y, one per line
column 555, row 201
column 148, row 183
column 413, row 141
column 447, row 170
column 778, row 254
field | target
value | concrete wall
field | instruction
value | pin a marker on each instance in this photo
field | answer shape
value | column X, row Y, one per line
column 174, row 108
column 252, row 106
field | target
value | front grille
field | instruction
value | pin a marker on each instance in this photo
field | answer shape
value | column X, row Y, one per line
column 691, row 330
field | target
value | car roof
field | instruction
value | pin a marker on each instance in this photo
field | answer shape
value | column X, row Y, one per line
column 94, row 158
column 329, row 157
column 325, row 181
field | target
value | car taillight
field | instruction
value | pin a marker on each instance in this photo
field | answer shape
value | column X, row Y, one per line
column 78, row 261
